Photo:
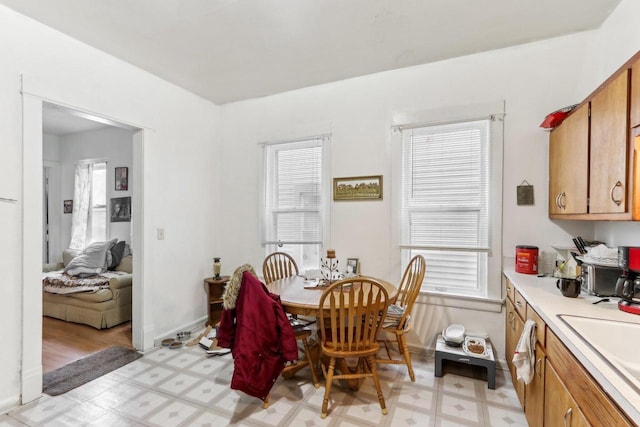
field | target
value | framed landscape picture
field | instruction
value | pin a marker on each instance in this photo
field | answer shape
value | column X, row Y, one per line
column 358, row 188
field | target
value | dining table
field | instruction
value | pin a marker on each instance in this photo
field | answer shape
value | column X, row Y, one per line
column 301, row 297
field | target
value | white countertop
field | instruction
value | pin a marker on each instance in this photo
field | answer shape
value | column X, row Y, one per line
column 541, row 294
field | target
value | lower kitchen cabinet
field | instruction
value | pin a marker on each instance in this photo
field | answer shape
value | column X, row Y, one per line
column 593, row 402
column 514, row 327
column 562, row 392
column 535, row 392
column 560, row 408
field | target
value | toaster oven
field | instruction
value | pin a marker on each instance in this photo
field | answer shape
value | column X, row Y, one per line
column 600, row 280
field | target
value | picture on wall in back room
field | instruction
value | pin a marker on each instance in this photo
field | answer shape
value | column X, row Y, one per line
column 122, row 179
column 121, row 209
column 68, row 206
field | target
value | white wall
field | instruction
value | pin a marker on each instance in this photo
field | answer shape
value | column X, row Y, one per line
column 205, row 196
column 533, row 79
column 178, row 171
column 112, row 144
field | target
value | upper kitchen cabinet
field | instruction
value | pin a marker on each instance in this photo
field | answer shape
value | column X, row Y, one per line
column 608, row 150
column 568, row 164
column 591, row 156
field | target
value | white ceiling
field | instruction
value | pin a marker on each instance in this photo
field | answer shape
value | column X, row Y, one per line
column 230, row 50
column 61, row 122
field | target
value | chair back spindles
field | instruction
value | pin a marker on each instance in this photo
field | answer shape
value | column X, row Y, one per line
column 278, row 265
column 354, row 310
column 405, row 298
column 410, row 285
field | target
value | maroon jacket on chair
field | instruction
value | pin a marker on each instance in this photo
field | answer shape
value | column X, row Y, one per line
column 256, row 329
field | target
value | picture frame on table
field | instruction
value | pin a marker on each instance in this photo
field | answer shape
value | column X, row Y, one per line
column 121, row 209
column 357, row 188
column 122, row 178
column 353, row 266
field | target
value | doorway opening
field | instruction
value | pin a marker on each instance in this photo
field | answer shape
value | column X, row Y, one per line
column 71, row 137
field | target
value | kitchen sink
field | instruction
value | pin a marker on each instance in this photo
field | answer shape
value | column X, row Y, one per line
column 616, row 342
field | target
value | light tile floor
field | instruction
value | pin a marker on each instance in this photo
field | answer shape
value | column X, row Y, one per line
column 184, row 387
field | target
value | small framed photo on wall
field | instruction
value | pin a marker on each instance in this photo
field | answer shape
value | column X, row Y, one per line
column 68, row 206
column 122, row 179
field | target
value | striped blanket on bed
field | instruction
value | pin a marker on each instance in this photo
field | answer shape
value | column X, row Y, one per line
column 58, row 282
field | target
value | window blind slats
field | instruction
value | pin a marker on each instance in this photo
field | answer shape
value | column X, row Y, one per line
column 293, row 192
column 445, row 203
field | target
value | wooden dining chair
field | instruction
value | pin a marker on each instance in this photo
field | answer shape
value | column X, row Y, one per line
column 351, row 312
column 402, row 305
column 278, row 265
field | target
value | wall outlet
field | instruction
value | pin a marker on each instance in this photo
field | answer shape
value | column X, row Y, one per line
column 160, row 233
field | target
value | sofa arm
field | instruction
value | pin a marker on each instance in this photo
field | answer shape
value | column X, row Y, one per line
column 116, row 283
column 52, row 267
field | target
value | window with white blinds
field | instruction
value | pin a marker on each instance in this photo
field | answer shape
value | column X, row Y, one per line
column 294, row 200
column 445, row 203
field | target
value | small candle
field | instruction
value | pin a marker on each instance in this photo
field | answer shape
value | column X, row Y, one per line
column 331, row 253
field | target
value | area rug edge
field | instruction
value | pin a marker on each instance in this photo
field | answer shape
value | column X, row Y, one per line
column 87, row 369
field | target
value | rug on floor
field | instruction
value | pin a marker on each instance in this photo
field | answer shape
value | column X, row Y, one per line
column 84, row 370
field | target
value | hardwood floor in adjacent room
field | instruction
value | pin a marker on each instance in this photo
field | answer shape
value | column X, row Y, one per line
column 64, row 342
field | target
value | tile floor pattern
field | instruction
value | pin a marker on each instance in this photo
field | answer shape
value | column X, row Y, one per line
column 184, row 387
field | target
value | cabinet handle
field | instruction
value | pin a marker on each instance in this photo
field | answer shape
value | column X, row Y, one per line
column 567, row 416
column 511, row 318
column 560, row 200
column 616, row 185
column 537, row 369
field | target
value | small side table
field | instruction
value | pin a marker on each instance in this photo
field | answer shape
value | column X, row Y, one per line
column 215, row 289
column 456, row 354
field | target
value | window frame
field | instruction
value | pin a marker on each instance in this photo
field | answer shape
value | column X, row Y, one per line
column 296, row 249
column 95, row 207
column 492, row 291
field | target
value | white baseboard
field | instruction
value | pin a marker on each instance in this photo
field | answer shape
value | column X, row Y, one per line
column 31, row 384
column 196, row 325
column 8, row 404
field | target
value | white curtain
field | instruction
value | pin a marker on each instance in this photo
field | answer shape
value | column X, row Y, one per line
column 81, row 220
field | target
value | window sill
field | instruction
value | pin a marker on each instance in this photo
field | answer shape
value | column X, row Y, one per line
column 460, row 301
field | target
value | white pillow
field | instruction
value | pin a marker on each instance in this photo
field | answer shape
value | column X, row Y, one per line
column 92, row 260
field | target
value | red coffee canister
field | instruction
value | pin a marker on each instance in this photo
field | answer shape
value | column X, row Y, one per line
column 526, row 259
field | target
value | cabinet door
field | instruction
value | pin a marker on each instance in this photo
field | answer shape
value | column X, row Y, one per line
column 609, row 148
column 568, row 164
column 514, row 328
column 559, row 408
column 509, row 289
column 634, row 115
column 534, row 391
